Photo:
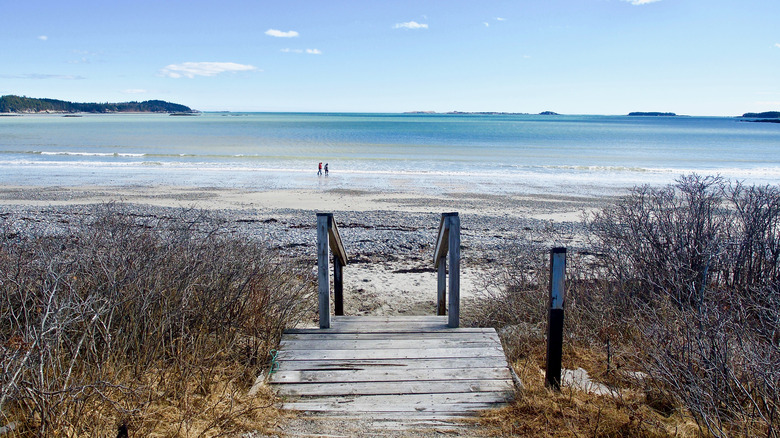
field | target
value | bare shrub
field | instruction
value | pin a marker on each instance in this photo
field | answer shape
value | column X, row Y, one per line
column 699, row 262
column 680, row 282
column 123, row 318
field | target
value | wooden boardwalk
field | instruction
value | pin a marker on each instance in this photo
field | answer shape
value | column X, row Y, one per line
column 411, row 368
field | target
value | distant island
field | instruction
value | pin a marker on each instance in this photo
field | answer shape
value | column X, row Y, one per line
column 548, row 113
column 481, row 113
column 652, row 113
column 28, row 105
column 764, row 115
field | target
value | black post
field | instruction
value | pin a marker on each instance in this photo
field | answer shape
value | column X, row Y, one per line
column 555, row 320
column 338, row 287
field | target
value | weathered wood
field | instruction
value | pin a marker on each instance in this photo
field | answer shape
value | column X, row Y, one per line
column 411, row 403
column 454, row 264
column 448, row 242
column 441, row 334
column 442, row 236
column 352, row 364
column 410, row 353
column 392, row 375
column 390, row 388
column 335, row 241
column 386, row 344
column 408, row 400
column 322, row 269
column 418, row 328
column 381, row 368
column 443, row 418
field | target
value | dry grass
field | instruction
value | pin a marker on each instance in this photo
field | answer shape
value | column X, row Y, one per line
column 157, row 325
column 541, row 412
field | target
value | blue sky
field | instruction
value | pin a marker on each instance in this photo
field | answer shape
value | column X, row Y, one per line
column 718, row 57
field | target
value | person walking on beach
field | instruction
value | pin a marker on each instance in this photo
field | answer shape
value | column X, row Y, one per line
column 326, row 169
column 319, row 171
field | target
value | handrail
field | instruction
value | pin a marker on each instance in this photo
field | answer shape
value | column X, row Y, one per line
column 326, row 226
column 448, row 242
column 442, row 239
column 335, row 241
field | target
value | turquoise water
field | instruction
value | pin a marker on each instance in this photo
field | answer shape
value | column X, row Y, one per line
column 393, row 152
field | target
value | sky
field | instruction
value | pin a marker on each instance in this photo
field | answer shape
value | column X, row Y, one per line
column 696, row 57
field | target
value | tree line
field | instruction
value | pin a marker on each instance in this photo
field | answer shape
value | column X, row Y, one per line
column 23, row 104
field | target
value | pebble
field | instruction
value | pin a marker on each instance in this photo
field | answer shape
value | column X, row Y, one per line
column 367, row 236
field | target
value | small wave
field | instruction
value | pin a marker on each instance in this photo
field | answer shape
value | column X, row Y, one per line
column 92, row 154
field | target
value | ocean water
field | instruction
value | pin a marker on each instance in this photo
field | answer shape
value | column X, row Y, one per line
column 579, row 155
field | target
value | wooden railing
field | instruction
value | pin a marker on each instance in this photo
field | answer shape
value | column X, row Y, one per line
column 328, row 235
column 448, row 241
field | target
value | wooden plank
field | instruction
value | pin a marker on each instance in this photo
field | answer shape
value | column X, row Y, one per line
column 390, row 375
column 359, row 364
column 452, row 409
column 370, row 401
column 387, row 344
column 410, row 353
column 444, row 335
column 393, row 388
column 439, row 418
column 409, row 328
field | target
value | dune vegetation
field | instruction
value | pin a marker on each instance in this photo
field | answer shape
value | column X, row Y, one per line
column 158, row 326
column 675, row 309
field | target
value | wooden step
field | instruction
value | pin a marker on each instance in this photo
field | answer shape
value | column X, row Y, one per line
column 392, row 368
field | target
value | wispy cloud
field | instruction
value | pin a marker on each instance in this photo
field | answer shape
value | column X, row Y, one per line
column 487, row 24
column 43, row 37
column 410, row 25
column 641, row 2
column 777, row 45
column 308, row 51
column 281, row 34
column 192, row 69
column 42, row 76
column 135, row 91
column 85, row 57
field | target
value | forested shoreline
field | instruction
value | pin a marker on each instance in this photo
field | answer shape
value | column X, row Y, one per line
column 28, row 105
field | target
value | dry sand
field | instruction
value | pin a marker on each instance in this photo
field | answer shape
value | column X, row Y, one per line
column 389, row 236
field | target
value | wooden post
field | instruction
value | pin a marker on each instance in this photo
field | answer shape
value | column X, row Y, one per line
column 555, row 319
column 323, row 281
column 454, row 250
column 338, row 286
column 441, row 307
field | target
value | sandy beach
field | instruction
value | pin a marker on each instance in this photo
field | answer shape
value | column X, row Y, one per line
column 389, row 236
